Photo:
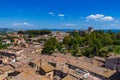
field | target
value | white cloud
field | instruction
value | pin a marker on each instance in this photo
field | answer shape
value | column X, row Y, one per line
column 107, row 18
column 69, row 24
column 22, row 24
column 99, row 17
column 51, row 13
column 96, row 16
column 61, row 15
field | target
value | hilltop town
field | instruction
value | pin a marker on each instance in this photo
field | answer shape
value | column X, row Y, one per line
column 36, row 57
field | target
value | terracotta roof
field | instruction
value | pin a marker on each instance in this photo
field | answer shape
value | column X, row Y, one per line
column 69, row 77
column 29, row 74
column 1, row 72
column 115, row 56
column 82, row 63
column 99, row 58
column 47, row 67
column 6, row 68
column 35, row 61
column 94, row 69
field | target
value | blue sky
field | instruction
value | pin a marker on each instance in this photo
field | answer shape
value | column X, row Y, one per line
column 60, row 14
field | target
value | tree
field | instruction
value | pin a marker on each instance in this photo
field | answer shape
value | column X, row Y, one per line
column 67, row 40
column 60, row 46
column 116, row 42
column 38, row 32
column 118, row 35
column 48, row 50
column 50, row 45
column 21, row 32
column 88, row 45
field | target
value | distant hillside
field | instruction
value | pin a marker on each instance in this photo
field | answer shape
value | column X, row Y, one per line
column 70, row 30
column 7, row 30
column 61, row 30
column 113, row 30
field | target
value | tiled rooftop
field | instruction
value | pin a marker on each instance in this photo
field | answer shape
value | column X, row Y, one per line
column 47, row 67
column 83, row 63
column 29, row 74
column 69, row 77
column 6, row 68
